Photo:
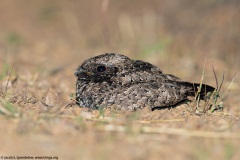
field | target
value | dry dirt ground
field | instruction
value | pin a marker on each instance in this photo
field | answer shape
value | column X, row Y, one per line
column 43, row 42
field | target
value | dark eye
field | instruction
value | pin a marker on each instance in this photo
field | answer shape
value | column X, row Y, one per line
column 115, row 69
column 101, row 68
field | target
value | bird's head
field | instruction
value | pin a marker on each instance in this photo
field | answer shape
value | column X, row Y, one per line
column 111, row 67
column 102, row 67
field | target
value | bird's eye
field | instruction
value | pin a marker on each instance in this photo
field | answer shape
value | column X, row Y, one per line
column 101, row 68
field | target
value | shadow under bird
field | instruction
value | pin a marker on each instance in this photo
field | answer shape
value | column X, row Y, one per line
column 115, row 81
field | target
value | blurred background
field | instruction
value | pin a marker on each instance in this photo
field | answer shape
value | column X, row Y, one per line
column 50, row 36
column 64, row 33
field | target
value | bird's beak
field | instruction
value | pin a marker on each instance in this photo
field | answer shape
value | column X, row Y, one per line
column 79, row 71
column 82, row 73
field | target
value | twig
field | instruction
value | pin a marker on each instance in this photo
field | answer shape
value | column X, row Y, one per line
column 215, row 76
column 160, row 120
column 175, row 131
column 192, row 133
column 9, row 78
column 225, row 97
column 221, row 81
column 200, row 88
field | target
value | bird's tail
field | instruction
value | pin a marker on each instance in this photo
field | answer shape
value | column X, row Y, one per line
column 193, row 89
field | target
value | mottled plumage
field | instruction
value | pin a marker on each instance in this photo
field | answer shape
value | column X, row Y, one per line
column 114, row 80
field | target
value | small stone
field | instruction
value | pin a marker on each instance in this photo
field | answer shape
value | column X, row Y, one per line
column 52, row 98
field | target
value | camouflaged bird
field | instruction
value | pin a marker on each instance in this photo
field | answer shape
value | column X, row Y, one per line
column 115, row 80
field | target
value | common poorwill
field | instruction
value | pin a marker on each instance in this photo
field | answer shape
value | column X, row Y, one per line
column 115, row 80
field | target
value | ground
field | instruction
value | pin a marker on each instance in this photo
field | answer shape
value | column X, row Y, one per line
column 43, row 42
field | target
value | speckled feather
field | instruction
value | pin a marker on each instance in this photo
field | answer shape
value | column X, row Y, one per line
column 115, row 80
